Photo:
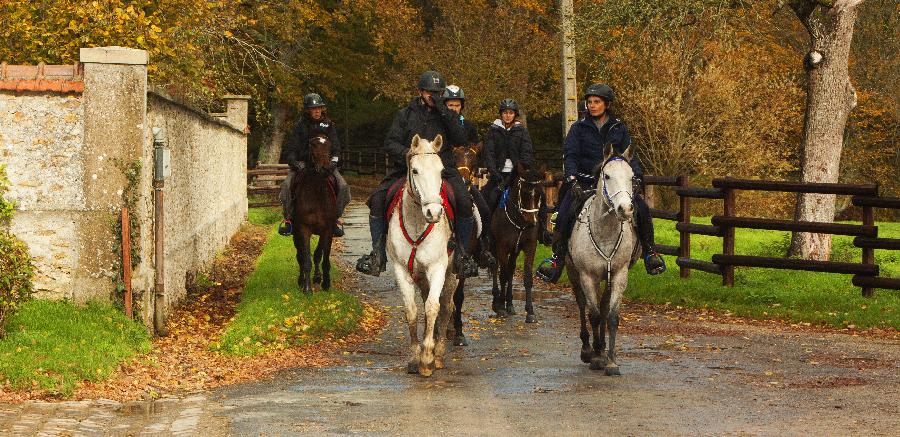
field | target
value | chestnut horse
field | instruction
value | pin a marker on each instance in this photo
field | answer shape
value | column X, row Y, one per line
column 315, row 211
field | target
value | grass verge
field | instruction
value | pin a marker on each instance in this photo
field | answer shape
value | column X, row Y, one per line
column 273, row 314
column 820, row 298
column 51, row 346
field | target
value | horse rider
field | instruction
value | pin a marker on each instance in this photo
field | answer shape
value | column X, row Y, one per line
column 426, row 116
column 507, row 144
column 295, row 152
column 455, row 100
column 583, row 152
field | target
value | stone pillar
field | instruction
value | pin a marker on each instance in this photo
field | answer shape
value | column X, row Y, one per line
column 236, row 110
column 115, row 110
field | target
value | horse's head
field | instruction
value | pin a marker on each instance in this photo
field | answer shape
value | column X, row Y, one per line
column 466, row 160
column 320, row 152
column 615, row 182
column 424, row 177
column 529, row 192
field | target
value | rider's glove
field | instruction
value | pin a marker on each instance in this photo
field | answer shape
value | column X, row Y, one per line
column 297, row 165
column 333, row 165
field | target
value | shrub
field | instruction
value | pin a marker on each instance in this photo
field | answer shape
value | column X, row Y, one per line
column 16, row 269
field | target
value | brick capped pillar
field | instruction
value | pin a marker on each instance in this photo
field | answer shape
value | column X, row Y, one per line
column 236, row 110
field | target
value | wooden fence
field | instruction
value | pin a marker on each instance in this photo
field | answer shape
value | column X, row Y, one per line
column 865, row 273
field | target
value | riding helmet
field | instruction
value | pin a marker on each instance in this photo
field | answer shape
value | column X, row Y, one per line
column 313, row 100
column 453, row 92
column 431, row 81
column 601, row 90
column 509, row 104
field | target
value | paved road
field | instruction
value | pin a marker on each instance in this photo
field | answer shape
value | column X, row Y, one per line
column 698, row 378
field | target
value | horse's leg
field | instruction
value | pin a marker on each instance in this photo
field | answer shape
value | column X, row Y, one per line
column 435, row 274
column 508, row 282
column 325, row 246
column 301, row 242
column 586, row 352
column 408, row 293
column 459, row 296
column 317, row 259
column 612, row 320
column 497, row 301
column 596, row 317
column 528, row 279
column 443, row 319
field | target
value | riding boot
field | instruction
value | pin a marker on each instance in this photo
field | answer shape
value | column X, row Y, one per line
column 465, row 265
column 551, row 269
column 486, row 257
column 653, row 261
column 338, row 229
column 286, row 227
column 375, row 262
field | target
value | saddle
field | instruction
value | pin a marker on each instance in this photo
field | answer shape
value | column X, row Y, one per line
column 331, row 181
column 395, row 192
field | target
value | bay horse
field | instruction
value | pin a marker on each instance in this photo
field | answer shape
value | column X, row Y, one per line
column 515, row 229
column 315, row 211
column 466, row 162
column 418, row 233
column 605, row 228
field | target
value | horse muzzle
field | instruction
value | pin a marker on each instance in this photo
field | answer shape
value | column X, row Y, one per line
column 432, row 212
column 625, row 213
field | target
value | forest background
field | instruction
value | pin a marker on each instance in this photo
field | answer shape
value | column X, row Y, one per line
column 709, row 88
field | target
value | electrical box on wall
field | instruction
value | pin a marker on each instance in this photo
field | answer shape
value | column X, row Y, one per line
column 162, row 163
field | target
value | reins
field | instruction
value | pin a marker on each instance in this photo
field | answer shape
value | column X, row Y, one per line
column 519, row 208
column 413, row 242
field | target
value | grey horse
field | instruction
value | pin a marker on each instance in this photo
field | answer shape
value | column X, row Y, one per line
column 602, row 248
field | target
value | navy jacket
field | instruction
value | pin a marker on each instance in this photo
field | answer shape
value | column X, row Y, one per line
column 296, row 144
column 583, row 149
column 501, row 144
column 428, row 123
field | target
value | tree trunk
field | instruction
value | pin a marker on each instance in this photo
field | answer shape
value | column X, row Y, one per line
column 270, row 150
column 830, row 98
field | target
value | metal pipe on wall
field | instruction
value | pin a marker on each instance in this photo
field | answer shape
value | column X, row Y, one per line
column 160, row 172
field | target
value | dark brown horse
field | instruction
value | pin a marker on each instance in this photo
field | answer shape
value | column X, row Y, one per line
column 315, row 211
column 515, row 229
column 466, row 161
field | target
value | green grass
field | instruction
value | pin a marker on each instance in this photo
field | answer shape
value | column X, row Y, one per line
column 264, row 216
column 274, row 314
column 821, row 298
column 52, row 345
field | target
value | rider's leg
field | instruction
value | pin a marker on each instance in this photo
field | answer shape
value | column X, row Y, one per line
column 545, row 237
column 653, row 261
column 343, row 199
column 486, row 257
column 287, row 205
column 465, row 223
column 551, row 268
column 374, row 263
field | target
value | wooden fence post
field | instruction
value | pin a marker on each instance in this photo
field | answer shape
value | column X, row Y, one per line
column 868, row 253
column 728, row 238
column 684, row 216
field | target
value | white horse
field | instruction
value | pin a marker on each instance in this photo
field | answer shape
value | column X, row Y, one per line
column 418, row 233
column 603, row 246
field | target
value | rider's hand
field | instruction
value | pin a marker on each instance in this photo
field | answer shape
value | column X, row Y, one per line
column 297, row 165
column 333, row 164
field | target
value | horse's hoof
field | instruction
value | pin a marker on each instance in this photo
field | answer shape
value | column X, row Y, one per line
column 438, row 363
column 326, row 286
column 501, row 313
column 426, row 371
column 317, row 278
column 587, row 355
column 510, row 310
column 612, row 369
column 460, row 340
column 530, row 318
column 598, row 362
column 412, row 367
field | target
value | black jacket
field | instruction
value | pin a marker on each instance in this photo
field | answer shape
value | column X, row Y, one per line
column 501, row 144
column 471, row 131
column 418, row 119
column 296, row 144
column 583, row 149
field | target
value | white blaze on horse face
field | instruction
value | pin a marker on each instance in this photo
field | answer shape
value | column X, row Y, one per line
column 617, row 177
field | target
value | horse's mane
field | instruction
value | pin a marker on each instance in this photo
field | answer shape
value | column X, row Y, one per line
column 599, row 167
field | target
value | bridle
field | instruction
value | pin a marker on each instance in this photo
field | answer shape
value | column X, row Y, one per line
column 417, row 196
column 607, row 198
column 525, row 225
column 460, row 168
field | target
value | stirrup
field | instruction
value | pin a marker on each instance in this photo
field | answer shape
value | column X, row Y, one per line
column 338, row 230
column 549, row 270
column 286, row 228
column 466, row 266
column 367, row 264
column 654, row 263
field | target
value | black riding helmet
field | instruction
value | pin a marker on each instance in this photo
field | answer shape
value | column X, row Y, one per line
column 313, row 100
column 453, row 92
column 509, row 104
column 431, row 81
column 601, row 90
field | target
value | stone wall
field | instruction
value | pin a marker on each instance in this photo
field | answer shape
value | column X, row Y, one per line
column 205, row 195
column 67, row 136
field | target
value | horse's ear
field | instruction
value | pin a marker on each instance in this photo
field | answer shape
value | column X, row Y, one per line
column 608, row 151
column 438, row 143
column 627, row 153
